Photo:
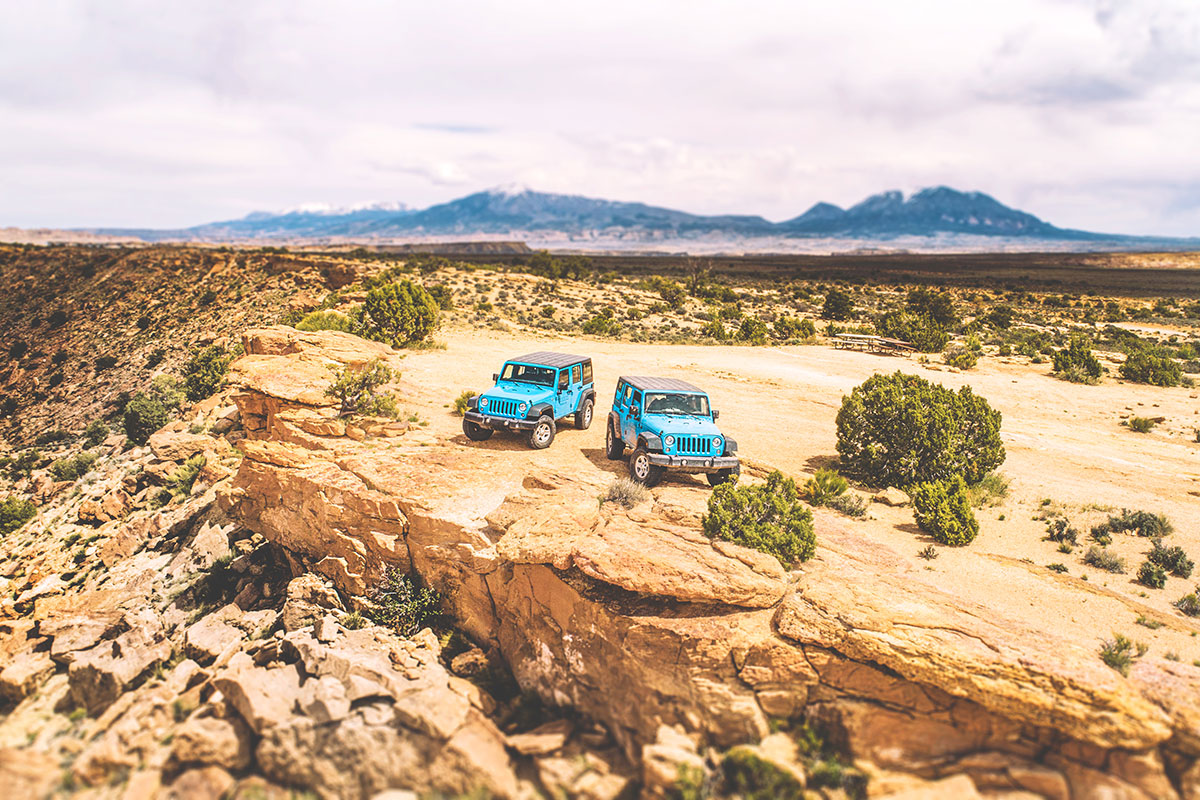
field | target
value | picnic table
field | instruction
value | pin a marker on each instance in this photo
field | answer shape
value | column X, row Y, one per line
column 871, row 344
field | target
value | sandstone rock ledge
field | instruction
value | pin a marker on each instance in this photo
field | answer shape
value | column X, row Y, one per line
column 636, row 620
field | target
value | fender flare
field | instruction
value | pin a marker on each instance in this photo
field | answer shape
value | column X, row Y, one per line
column 539, row 409
column 653, row 443
column 590, row 393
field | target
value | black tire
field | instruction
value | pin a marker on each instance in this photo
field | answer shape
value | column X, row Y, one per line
column 542, row 434
column 583, row 417
column 724, row 476
column 614, row 448
column 476, row 432
column 642, row 471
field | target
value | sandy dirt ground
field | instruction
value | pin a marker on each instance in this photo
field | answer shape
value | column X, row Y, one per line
column 1067, row 451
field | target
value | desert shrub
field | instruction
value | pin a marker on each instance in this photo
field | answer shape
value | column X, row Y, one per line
column 205, row 371
column 143, row 322
column 72, row 468
column 824, row 486
column 753, row 330
column 356, row 390
column 442, row 295
column 837, row 306
column 155, row 357
column 1120, row 653
column 1076, row 363
column 1142, row 523
column 105, row 362
column 326, row 321
column 788, row 328
column 767, row 517
column 402, row 604
column 18, row 349
column 1057, row 567
column 962, row 358
column 143, row 415
column 928, row 552
column 549, row 310
column 23, row 463
column 714, row 330
column 1001, row 317
column 626, row 492
column 1141, row 424
column 672, row 294
column 183, row 479
column 852, row 505
column 1143, row 366
column 95, row 433
column 51, row 437
column 1189, row 604
column 943, row 510
column 919, row 330
column 1103, row 558
column 57, row 318
column 938, row 306
column 15, row 512
column 1152, row 575
column 1172, row 559
column 402, row 313
column 354, row 621
column 990, row 490
column 460, row 402
column 896, row 430
column 1101, row 535
column 601, row 325
column 169, row 392
column 1058, row 529
column 749, row 776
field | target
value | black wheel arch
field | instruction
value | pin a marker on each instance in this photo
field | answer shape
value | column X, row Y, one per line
column 652, row 443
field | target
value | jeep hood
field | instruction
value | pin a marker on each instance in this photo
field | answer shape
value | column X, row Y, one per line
column 511, row 390
column 679, row 425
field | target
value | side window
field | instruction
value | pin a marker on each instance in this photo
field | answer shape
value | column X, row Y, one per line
column 562, row 380
column 575, row 373
column 619, row 397
column 637, row 399
column 628, row 393
column 587, row 372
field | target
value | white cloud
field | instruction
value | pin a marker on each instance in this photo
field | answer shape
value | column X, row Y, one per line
column 120, row 112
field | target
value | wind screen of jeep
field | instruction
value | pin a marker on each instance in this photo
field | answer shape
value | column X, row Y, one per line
column 695, row 405
column 527, row 373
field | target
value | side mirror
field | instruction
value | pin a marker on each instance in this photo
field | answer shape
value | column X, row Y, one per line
column 716, row 414
column 495, row 377
column 635, row 412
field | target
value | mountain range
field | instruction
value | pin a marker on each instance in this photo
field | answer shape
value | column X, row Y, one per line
column 938, row 213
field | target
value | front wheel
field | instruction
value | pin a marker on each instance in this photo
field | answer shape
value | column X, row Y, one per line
column 614, row 448
column 476, row 432
column 724, row 476
column 583, row 417
column 642, row 471
column 542, row 434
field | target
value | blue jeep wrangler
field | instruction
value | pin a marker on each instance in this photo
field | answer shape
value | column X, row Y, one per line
column 531, row 392
column 669, row 425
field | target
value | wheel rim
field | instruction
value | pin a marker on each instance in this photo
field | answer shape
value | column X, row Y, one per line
column 641, row 466
column 587, row 414
column 610, row 438
column 542, row 433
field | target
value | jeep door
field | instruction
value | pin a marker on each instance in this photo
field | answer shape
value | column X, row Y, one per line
column 629, row 425
column 562, row 393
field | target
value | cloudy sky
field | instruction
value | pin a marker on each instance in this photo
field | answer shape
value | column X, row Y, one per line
column 128, row 113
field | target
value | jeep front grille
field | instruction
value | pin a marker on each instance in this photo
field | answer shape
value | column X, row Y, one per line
column 693, row 445
column 501, row 408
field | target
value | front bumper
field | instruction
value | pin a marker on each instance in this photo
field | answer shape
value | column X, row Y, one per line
column 500, row 423
column 693, row 463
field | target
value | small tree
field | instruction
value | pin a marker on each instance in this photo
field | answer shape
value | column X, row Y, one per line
column 205, row 371
column 938, row 306
column 15, row 512
column 919, row 330
column 788, row 328
column 838, row 306
column 753, row 330
column 943, row 510
column 144, row 414
column 1146, row 367
column 95, row 433
column 402, row 312
column 1076, row 363
column 768, row 517
column 897, row 430
column 403, row 605
column 356, row 389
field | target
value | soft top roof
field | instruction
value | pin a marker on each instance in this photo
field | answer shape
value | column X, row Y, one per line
column 548, row 359
column 660, row 384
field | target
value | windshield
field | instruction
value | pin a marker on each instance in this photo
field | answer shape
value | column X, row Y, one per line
column 690, row 404
column 525, row 373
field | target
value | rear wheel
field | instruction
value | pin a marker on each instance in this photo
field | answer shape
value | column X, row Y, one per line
column 724, row 476
column 583, row 417
column 614, row 448
column 542, row 434
column 476, row 432
column 642, row 471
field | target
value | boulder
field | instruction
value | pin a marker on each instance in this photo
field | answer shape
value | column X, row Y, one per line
column 210, row 740
column 210, row 637
column 24, row 674
column 168, row 445
column 309, row 598
column 891, row 496
column 264, row 697
column 671, row 755
column 113, row 505
column 98, row 676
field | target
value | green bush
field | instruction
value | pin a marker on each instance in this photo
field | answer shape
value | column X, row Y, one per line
column 753, row 330
column 1172, row 559
column 714, row 329
column 205, row 371
column 460, row 402
column 442, row 295
column 919, row 330
column 943, row 510
column 15, row 512
column 1102, row 558
column 1152, row 575
column 897, row 430
column 402, row 313
column 788, row 328
column 626, row 492
column 1001, row 317
column 105, row 362
column 767, row 517
column 1059, row 530
column 1142, row 523
column 356, row 390
column 1141, row 424
column 962, row 358
column 144, row 414
column 184, row 478
column 824, row 486
column 1143, row 366
column 1189, row 604
column 990, row 491
column 1076, row 363
column 938, row 306
column 852, row 505
column 327, row 321
column 1119, row 653
column 751, row 777
column 837, row 306
column 601, row 325
column 95, row 433
column 72, row 468
column 403, row 605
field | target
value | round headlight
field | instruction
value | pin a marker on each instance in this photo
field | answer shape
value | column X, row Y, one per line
column 669, row 441
column 483, row 402
column 523, row 407
column 717, row 443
